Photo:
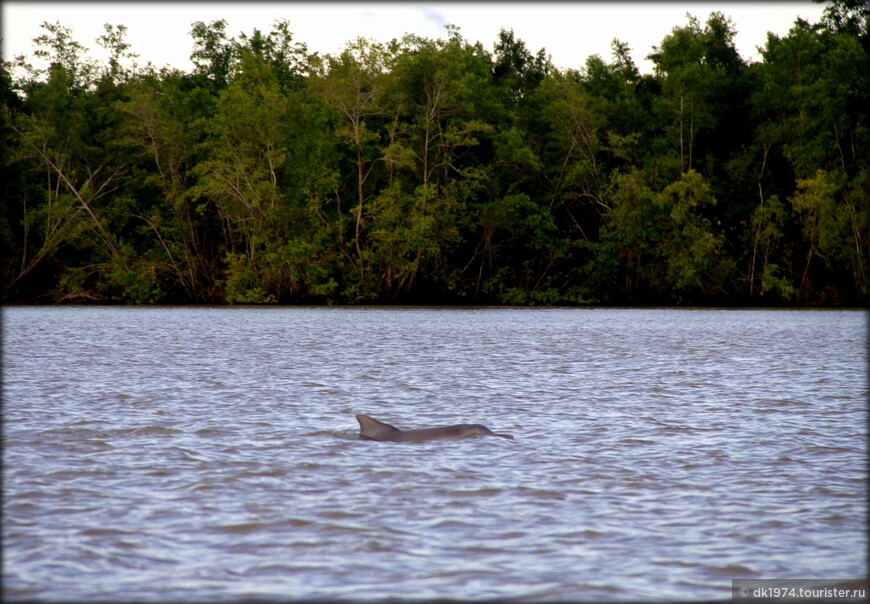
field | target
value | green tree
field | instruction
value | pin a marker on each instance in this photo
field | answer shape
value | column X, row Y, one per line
column 352, row 85
column 812, row 95
column 256, row 175
column 626, row 264
column 661, row 246
column 574, row 145
column 68, row 133
column 119, row 52
column 214, row 54
column 433, row 170
column 767, row 224
column 690, row 246
column 58, row 48
column 698, row 68
column 163, row 128
column 436, row 97
column 849, row 17
column 515, row 69
column 828, row 224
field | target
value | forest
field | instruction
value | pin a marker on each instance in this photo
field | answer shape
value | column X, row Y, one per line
column 433, row 171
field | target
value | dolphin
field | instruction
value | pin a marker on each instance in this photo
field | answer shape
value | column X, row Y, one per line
column 372, row 429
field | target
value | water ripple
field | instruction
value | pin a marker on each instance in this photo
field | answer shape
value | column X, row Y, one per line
column 212, row 454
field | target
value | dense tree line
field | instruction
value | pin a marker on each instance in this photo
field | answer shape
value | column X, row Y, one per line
column 433, row 171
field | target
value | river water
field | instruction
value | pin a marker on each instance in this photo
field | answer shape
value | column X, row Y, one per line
column 212, row 454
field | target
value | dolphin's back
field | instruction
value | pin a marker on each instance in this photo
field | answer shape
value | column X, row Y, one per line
column 443, row 433
column 372, row 429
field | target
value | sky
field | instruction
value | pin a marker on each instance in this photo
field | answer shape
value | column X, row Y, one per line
column 569, row 31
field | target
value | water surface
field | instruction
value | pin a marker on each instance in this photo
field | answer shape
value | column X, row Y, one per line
column 212, row 453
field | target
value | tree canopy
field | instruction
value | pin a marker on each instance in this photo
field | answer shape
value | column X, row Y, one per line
column 434, row 171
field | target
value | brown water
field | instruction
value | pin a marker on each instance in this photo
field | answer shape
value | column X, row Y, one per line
column 212, row 453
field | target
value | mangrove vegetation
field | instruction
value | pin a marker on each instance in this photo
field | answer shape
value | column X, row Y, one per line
column 435, row 171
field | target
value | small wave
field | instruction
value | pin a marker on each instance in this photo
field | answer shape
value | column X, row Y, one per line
column 780, row 402
column 209, row 486
column 581, row 536
column 730, row 570
column 104, row 532
column 482, row 492
column 339, row 514
column 676, row 429
column 450, row 524
column 377, row 547
column 672, row 562
column 213, row 432
column 88, row 422
column 542, row 493
column 785, row 459
column 186, row 454
column 828, row 450
column 145, row 431
column 636, row 441
column 276, row 473
column 243, row 528
column 773, row 524
column 71, row 475
column 100, row 444
column 271, row 570
column 334, row 433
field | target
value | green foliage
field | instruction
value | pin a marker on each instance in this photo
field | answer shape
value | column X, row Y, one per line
column 242, row 282
column 434, row 171
column 689, row 244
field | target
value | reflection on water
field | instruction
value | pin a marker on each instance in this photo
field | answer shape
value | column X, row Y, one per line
column 213, row 454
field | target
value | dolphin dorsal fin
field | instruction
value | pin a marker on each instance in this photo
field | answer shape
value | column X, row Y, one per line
column 371, row 428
